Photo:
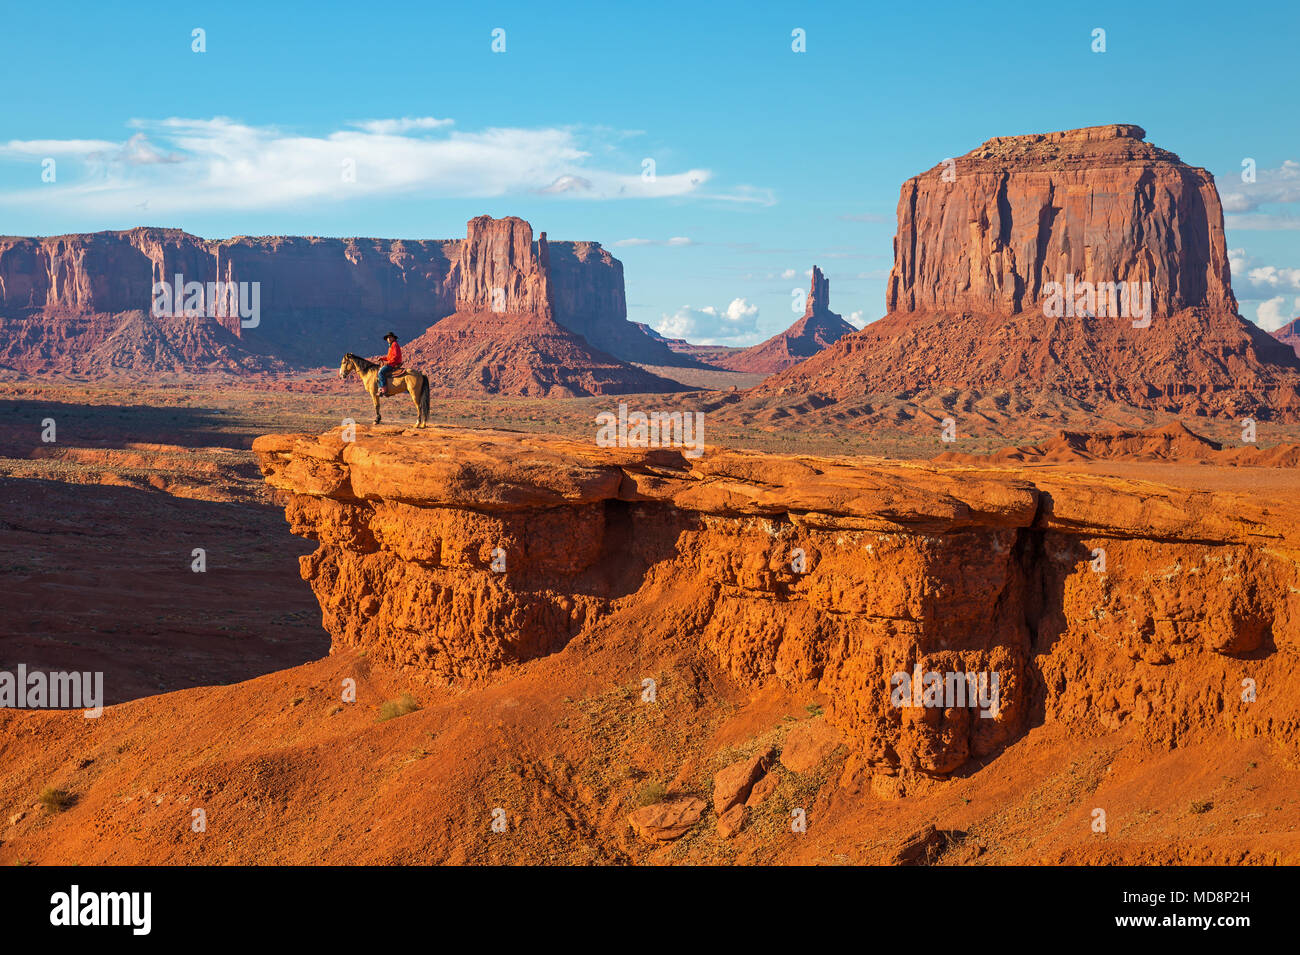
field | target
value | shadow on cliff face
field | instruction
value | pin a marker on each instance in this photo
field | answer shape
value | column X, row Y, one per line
column 635, row 539
column 1044, row 609
column 101, row 578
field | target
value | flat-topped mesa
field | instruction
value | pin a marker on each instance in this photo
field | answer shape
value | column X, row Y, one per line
column 1108, row 133
column 61, row 296
column 988, row 231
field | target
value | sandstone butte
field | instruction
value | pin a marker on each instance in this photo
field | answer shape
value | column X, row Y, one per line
column 940, row 566
column 816, row 329
column 81, row 303
column 503, row 337
column 981, row 237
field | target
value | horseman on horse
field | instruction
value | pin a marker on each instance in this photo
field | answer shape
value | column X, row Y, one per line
column 390, row 362
column 388, row 377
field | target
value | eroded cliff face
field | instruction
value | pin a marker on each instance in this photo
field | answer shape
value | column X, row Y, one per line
column 318, row 297
column 987, row 231
column 500, row 268
column 1098, row 602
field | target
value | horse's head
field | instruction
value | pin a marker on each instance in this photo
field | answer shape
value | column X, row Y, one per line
column 345, row 365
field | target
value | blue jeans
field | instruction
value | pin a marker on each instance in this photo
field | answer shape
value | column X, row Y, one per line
column 385, row 373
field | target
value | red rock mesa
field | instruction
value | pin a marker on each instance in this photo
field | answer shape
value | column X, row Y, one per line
column 980, row 240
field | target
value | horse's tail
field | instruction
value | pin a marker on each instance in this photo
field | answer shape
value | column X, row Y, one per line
column 424, row 398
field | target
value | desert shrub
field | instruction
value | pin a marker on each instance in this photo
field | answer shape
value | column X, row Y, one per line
column 54, row 799
column 651, row 793
column 399, row 707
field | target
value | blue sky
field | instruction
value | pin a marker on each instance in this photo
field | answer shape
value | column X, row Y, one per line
column 766, row 161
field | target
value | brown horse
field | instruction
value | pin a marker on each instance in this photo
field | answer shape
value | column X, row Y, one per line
column 413, row 382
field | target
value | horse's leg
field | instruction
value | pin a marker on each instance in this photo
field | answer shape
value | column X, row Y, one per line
column 374, row 394
column 413, row 389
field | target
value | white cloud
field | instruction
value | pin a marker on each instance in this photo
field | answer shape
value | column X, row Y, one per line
column 1270, row 185
column 1237, row 260
column 1270, row 276
column 1264, row 221
column 1243, row 201
column 567, row 184
column 1273, row 313
column 388, row 127
column 205, row 164
column 789, row 274
column 751, row 194
column 40, row 148
column 856, row 319
column 677, row 240
column 138, row 151
column 1257, row 284
column 1254, row 281
column 737, row 324
column 740, row 310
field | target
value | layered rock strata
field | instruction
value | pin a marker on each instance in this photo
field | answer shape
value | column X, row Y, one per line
column 1096, row 601
column 318, row 297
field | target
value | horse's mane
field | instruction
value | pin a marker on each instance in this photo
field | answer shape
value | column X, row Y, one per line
column 365, row 364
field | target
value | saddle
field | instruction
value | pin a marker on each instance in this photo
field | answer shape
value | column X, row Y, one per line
column 397, row 374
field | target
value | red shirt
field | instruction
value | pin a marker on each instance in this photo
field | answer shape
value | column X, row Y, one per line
column 394, row 356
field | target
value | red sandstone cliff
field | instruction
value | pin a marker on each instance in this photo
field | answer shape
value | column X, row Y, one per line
column 1021, row 211
column 61, row 296
column 815, row 330
column 458, row 552
column 318, row 297
column 500, row 268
